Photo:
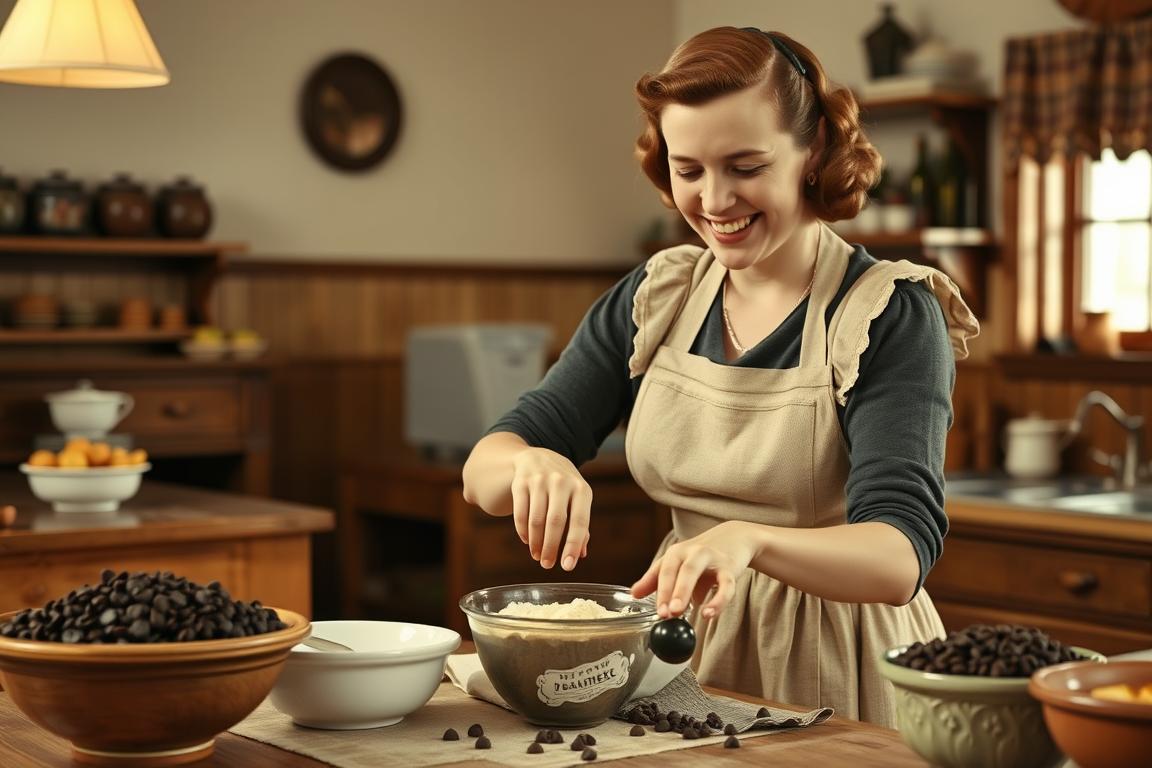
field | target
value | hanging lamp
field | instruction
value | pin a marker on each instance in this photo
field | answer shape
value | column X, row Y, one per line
column 79, row 44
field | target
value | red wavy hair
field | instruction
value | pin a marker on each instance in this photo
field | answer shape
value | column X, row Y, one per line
column 725, row 60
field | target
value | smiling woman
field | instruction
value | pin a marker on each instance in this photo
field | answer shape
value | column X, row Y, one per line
column 785, row 394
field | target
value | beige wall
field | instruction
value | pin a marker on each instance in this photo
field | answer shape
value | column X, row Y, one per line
column 517, row 143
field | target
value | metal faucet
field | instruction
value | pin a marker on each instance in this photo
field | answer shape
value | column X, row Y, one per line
column 1127, row 466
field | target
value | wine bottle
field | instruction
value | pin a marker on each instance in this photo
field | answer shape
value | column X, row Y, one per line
column 952, row 189
column 922, row 187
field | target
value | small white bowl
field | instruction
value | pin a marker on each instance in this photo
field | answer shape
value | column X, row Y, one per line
column 659, row 674
column 392, row 671
column 199, row 350
column 84, row 489
column 247, row 350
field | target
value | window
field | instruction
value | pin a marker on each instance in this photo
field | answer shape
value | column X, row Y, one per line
column 1115, row 237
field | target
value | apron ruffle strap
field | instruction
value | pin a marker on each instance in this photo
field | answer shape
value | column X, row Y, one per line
column 662, row 294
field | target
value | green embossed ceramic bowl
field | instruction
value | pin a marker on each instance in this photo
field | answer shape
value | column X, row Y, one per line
column 562, row 672
column 971, row 721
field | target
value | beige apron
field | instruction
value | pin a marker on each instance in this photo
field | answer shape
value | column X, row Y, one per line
column 717, row 442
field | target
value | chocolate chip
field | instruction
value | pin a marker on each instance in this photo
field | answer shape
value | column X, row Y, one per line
column 483, row 743
column 637, row 730
column 577, row 743
column 763, row 712
column 451, row 735
column 730, row 729
column 475, row 729
column 555, row 737
column 589, row 739
column 542, row 737
column 534, row 748
column 588, row 754
column 732, row 743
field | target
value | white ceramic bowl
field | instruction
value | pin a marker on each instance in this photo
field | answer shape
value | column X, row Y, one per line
column 247, row 350
column 392, row 671
column 84, row 490
column 199, row 350
column 659, row 674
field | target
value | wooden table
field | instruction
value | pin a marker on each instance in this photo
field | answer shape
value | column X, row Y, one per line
column 837, row 742
column 259, row 549
column 475, row 550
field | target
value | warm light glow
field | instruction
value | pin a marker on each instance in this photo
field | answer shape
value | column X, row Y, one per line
column 79, row 44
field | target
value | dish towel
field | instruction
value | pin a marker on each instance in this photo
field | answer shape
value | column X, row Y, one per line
column 683, row 694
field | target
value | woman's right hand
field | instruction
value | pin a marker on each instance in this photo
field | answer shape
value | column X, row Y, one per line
column 549, row 494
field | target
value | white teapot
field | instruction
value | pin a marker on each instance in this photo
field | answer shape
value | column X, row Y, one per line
column 86, row 411
column 1032, row 446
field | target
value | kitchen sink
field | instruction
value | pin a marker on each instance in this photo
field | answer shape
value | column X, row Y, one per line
column 1096, row 495
column 1025, row 491
column 1117, row 503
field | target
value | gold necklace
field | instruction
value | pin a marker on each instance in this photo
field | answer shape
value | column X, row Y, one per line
column 740, row 348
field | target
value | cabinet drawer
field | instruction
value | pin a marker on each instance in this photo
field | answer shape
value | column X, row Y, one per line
column 1015, row 575
column 183, row 410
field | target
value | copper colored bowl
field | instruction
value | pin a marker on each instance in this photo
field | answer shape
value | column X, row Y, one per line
column 1095, row 732
column 148, row 704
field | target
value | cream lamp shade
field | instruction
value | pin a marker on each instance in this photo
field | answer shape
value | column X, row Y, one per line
column 79, row 44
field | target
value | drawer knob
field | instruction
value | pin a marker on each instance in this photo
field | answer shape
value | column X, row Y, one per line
column 1079, row 582
column 178, row 409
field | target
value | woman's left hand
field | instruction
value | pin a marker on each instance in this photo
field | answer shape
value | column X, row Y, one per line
column 690, row 569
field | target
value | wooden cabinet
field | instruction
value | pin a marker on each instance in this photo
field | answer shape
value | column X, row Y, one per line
column 216, row 411
column 1084, row 579
column 412, row 547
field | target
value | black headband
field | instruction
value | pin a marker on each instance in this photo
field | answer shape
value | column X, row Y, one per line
column 784, row 49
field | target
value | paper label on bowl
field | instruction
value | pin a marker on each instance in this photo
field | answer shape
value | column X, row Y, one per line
column 585, row 682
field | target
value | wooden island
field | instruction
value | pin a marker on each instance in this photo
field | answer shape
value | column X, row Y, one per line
column 257, row 548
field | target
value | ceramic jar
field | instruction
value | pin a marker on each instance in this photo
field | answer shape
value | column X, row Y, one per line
column 86, row 411
column 123, row 208
column 58, row 205
column 183, row 210
column 1032, row 447
column 11, row 206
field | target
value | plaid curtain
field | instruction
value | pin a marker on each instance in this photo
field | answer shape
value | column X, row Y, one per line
column 1079, row 91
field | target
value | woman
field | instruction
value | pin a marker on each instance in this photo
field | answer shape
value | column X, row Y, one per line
column 786, row 395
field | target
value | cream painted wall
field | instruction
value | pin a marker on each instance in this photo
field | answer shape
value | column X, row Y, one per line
column 516, row 148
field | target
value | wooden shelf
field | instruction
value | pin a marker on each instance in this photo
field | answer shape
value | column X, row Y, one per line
column 151, row 247
column 88, row 336
column 932, row 237
column 928, row 102
column 1129, row 368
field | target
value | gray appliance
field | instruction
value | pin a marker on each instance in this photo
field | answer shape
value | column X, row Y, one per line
column 459, row 379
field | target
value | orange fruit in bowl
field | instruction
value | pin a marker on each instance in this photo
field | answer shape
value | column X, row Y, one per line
column 138, row 456
column 72, row 459
column 119, row 457
column 77, row 444
column 42, row 458
column 99, row 455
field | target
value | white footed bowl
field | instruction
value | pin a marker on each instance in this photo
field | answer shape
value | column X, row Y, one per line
column 392, row 671
column 84, row 489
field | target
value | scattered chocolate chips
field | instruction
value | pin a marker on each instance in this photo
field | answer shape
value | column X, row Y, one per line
column 986, row 650
column 542, row 737
column 730, row 730
column 732, row 743
column 483, row 743
column 637, row 730
column 142, row 607
column 589, row 739
column 450, row 735
column 650, row 714
column 534, row 748
column 588, row 754
column 555, row 737
column 763, row 712
column 577, row 743
column 475, row 730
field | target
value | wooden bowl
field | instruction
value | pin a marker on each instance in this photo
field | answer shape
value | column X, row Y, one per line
column 1096, row 732
column 155, row 704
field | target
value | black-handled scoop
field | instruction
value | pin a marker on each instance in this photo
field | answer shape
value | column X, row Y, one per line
column 673, row 640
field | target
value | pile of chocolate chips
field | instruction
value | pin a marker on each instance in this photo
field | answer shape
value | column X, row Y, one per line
column 142, row 608
column 686, row 725
column 1000, row 650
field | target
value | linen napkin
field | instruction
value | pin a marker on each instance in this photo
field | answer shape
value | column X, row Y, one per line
column 683, row 694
